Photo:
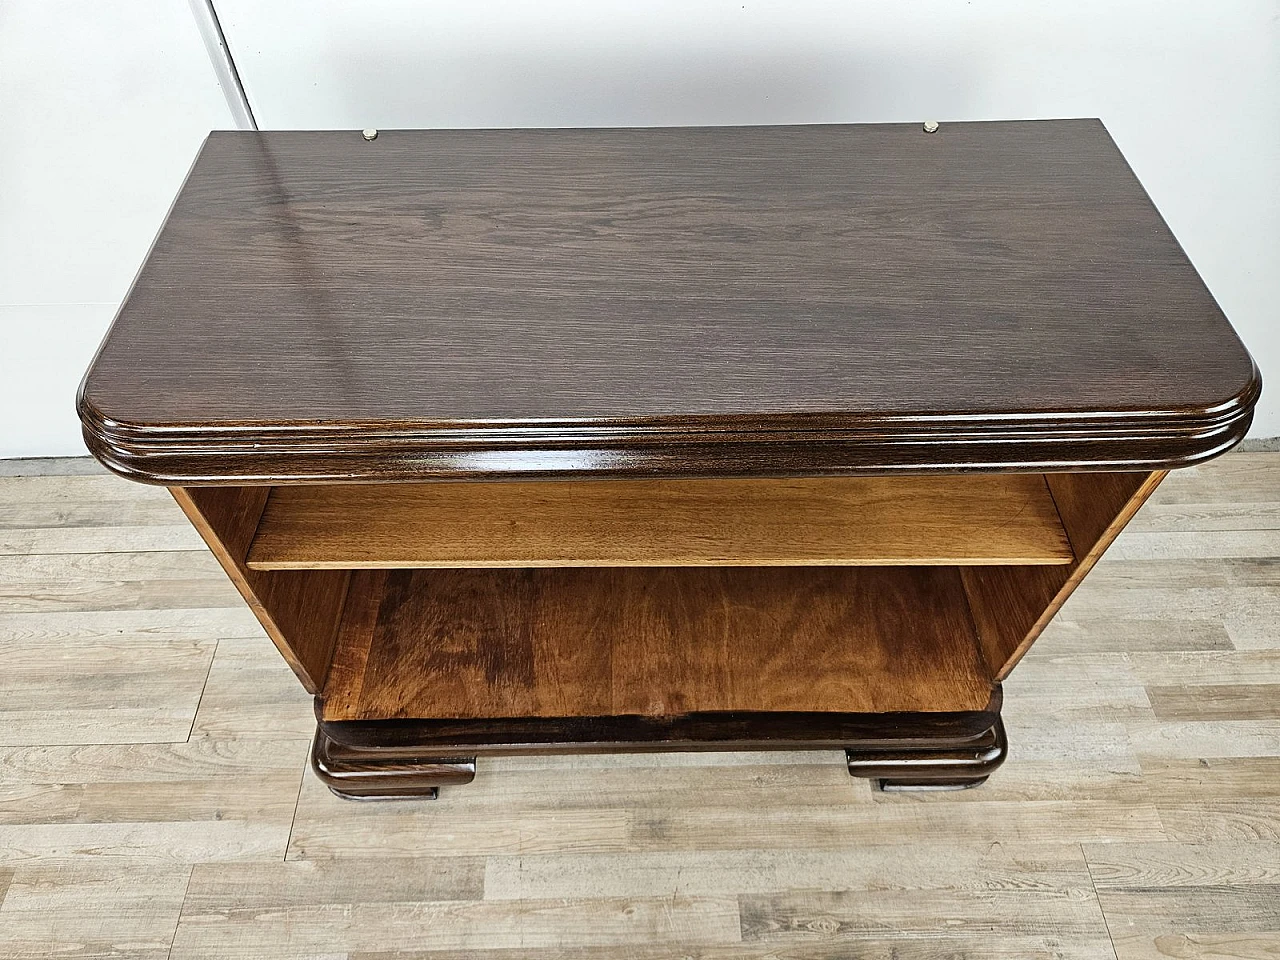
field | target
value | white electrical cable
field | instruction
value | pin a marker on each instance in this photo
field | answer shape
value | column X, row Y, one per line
column 224, row 67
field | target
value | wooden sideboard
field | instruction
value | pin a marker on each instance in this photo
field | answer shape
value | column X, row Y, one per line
column 662, row 439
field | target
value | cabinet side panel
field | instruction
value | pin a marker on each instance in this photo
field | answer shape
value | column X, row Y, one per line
column 1006, row 603
column 1012, row 605
column 299, row 609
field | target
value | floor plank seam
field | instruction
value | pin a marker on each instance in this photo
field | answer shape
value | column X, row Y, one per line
column 297, row 800
column 1106, row 924
column 177, row 925
column 195, row 714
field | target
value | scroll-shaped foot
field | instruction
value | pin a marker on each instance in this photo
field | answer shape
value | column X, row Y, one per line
column 933, row 764
column 385, row 773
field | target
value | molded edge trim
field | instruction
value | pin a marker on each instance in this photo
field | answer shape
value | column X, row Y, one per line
column 193, row 454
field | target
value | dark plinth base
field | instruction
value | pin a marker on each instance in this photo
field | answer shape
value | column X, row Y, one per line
column 355, row 773
column 937, row 765
column 393, row 759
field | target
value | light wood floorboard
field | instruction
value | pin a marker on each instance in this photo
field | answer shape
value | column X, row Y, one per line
column 155, row 803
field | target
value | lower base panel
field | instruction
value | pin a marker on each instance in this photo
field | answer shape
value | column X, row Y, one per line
column 356, row 773
column 408, row 759
column 935, row 766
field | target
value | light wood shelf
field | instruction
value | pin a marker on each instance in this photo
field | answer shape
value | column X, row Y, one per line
column 469, row 644
column 1003, row 519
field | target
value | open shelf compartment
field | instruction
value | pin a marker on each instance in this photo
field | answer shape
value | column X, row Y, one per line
column 654, row 642
column 999, row 519
column 894, row 654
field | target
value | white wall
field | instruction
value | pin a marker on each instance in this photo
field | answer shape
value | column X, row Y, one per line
column 1190, row 90
column 102, row 108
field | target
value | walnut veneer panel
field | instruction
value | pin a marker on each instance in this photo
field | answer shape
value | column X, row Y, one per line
column 299, row 609
column 654, row 641
column 1012, row 605
column 728, row 301
column 868, row 520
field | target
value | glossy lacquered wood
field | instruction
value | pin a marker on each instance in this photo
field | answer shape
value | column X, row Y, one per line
column 937, row 765
column 299, row 609
column 675, row 302
column 637, row 733
column 744, row 314
column 476, row 644
column 385, row 774
column 1011, row 605
column 422, row 667
column 980, row 519
column 400, row 759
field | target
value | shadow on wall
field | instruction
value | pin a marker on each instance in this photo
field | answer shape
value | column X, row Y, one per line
column 590, row 88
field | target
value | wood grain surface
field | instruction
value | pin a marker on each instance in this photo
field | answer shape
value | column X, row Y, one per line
column 299, row 609
column 1009, row 519
column 726, row 301
column 155, row 801
column 1012, row 605
column 655, row 642
column 928, row 734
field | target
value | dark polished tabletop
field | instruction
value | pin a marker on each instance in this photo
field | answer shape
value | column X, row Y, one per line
column 686, row 301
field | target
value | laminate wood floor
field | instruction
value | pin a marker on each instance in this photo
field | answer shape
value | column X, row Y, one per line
column 154, row 798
